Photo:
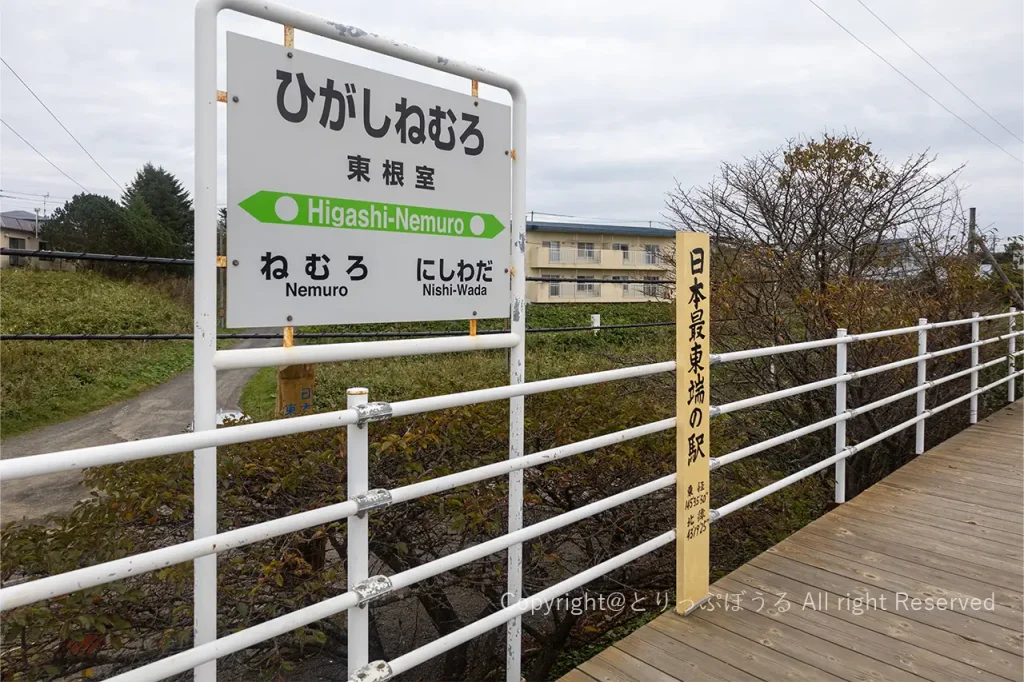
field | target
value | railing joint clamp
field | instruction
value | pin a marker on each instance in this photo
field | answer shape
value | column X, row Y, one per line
column 714, row 463
column 714, row 411
column 714, row 515
column 372, row 412
column 372, row 588
column 378, row 671
column 371, row 499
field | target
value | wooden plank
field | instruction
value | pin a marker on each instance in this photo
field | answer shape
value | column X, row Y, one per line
column 978, row 464
column 974, row 471
column 910, row 538
column 811, row 649
column 612, row 665
column 972, row 465
column 936, row 489
column 983, row 446
column 1004, row 452
column 895, row 491
column 848, row 534
column 956, row 623
column 892, row 625
column 936, row 467
column 1002, row 616
column 899, row 653
column 892, row 500
column 1007, row 492
column 905, row 523
column 1009, row 598
column 755, row 658
column 1008, row 487
column 679, row 660
column 940, row 518
column 577, row 675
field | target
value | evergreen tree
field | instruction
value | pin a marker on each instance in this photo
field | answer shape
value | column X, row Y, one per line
column 89, row 222
column 146, row 236
column 97, row 224
column 167, row 200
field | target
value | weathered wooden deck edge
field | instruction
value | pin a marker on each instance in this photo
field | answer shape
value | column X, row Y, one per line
column 954, row 515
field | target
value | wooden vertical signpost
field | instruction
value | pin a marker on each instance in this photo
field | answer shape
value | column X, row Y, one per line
column 693, row 400
column 295, row 383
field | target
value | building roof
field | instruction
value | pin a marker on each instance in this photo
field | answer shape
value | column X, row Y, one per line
column 589, row 228
column 22, row 221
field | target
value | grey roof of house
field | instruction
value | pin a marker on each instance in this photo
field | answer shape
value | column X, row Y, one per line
column 22, row 221
column 588, row 228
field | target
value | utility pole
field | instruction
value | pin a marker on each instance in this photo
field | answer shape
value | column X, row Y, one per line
column 987, row 255
column 972, row 227
column 37, row 223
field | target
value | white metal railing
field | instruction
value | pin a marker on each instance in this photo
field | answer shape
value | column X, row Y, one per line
column 360, row 414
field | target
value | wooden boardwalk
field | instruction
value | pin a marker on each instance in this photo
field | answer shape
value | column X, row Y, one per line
column 947, row 525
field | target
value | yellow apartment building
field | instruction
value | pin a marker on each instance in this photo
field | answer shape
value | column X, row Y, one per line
column 598, row 252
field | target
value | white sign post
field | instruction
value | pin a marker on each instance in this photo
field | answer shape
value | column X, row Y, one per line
column 358, row 196
column 285, row 166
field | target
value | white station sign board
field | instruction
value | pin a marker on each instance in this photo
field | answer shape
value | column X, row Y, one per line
column 358, row 196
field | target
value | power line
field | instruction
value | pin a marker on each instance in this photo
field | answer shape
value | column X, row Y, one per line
column 27, row 200
column 32, row 92
column 936, row 70
column 43, row 155
column 34, row 194
column 613, row 221
column 911, row 81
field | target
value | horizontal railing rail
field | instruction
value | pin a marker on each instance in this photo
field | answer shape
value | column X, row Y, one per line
column 357, row 419
column 320, row 335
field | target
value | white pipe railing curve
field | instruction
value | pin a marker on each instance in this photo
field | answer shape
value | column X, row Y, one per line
column 13, row 596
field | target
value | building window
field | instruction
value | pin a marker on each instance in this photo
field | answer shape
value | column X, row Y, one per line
column 554, row 251
column 588, row 289
column 651, row 290
column 554, row 288
column 625, row 286
column 586, row 253
column 624, row 248
column 652, row 255
column 15, row 243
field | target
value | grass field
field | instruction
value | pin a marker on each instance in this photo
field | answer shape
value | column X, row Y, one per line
column 43, row 382
column 548, row 355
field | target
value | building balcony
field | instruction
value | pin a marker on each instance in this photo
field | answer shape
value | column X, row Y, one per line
column 543, row 257
column 598, row 292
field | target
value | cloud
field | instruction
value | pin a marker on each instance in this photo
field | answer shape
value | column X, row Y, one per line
column 624, row 97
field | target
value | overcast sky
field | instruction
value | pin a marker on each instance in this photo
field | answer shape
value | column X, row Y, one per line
column 624, row 96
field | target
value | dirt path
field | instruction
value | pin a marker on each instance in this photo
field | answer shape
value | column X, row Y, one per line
column 160, row 411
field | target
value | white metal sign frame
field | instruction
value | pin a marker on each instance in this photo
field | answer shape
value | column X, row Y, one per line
column 401, row 214
column 207, row 359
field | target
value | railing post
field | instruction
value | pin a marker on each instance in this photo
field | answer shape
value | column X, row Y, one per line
column 595, row 322
column 1011, row 348
column 358, row 449
column 693, row 418
column 922, row 379
column 840, row 425
column 975, row 337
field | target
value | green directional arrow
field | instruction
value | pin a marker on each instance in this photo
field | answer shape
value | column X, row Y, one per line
column 314, row 211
